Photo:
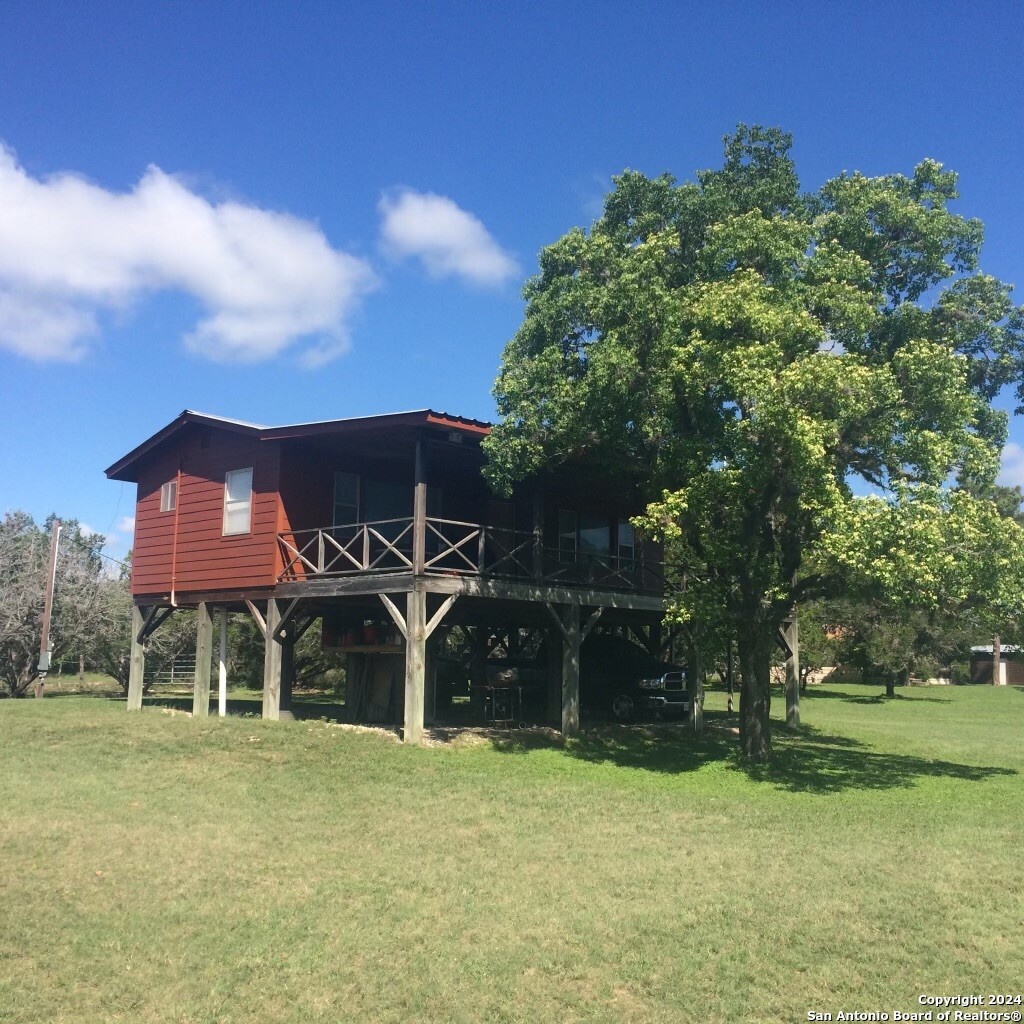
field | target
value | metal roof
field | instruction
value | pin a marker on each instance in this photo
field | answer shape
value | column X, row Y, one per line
column 223, row 419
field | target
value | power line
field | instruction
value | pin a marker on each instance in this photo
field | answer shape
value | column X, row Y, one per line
column 116, row 561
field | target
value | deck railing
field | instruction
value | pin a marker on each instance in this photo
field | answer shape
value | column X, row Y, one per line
column 383, row 546
column 454, row 548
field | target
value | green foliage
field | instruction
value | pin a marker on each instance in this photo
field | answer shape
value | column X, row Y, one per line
column 820, row 642
column 742, row 352
column 314, row 666
column 890, row 643
column 78, row 602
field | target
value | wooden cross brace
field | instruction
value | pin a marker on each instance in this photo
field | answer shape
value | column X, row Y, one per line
column 432, row 624
column 152, row 619
column 584, row 632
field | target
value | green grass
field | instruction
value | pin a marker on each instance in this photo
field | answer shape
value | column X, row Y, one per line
column 155, row 868
column 311, row 701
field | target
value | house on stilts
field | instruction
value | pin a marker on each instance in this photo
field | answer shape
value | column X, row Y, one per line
column 382, row 530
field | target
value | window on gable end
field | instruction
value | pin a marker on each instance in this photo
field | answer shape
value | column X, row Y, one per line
column 169, row 496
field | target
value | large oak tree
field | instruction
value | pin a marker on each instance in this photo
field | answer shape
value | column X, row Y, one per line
column 748, row 352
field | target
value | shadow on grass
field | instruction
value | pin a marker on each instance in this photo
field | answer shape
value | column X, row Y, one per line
column 51, row 693
column 804, row 760
column 821, row 693
column 302, row 710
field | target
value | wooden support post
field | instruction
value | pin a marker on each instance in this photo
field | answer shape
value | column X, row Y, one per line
column 272, row 664
column 477, row 671
column 419, row 511
column 554, row 677
column 287, row 675
column 222, row 666
column 204, row 657
column 572, row 635
column 792, row 672
column 538, row 534
column 571, row 672
column 137, row 661
column 696, row 683
column 415, row 664
column 430, row 682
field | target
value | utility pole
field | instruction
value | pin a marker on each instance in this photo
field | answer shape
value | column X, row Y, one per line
column 45, row 647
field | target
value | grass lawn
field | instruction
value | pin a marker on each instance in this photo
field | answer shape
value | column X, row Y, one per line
column 155, row 868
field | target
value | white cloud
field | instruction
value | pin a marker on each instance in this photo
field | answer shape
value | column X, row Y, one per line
column 70, row 250
column 126, row 524
column 1012, row 472
column 448, row 240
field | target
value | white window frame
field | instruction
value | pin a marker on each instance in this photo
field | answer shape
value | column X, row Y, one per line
column 235, row 504
column 169, row 496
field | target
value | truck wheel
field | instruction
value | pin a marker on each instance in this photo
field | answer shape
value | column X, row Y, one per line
column 623, row 707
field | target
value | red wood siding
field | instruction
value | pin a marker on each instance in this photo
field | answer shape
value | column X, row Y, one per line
column 205, row 559
column 307, row 487
column 307, row 483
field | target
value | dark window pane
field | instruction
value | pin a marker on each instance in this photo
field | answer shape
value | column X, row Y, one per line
column 567, row 522
column 595, row 535
column 387, row 500
column 346, row 498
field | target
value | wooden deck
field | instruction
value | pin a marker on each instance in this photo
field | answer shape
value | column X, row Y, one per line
column 459, row 550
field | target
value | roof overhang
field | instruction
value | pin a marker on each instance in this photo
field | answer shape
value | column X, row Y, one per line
column 128, row 466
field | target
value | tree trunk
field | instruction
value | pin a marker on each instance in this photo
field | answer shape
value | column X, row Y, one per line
column 997, row 657
column 754, row 642
column 890, row 684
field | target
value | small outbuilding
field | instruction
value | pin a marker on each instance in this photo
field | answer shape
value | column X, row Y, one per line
column 1011, row 665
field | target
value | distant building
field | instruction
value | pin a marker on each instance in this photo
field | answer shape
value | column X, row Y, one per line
column 1011, row 665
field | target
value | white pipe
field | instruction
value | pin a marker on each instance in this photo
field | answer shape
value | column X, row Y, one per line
column 222, row 667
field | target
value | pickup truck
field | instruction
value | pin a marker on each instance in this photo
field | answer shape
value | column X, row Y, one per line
column 620, row 678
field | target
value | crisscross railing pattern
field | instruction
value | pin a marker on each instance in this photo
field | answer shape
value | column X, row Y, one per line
column 452, row 547
column 383, row 546
column 456, row 547
column 598, row 570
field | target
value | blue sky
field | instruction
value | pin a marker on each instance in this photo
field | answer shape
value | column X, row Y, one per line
column 376, row 181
